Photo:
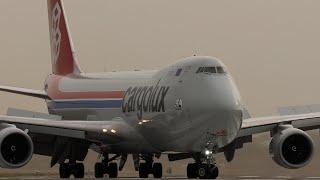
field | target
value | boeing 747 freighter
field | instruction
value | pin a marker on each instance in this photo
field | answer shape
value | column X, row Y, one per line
column 190, row 109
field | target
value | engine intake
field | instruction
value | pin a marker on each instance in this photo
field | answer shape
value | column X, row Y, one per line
column 16, row 148
column 291, row 148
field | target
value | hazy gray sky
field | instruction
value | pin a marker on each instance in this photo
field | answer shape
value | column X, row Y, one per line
column 271, row 47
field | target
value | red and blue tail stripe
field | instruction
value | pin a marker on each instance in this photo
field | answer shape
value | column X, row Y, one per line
column 84, row 104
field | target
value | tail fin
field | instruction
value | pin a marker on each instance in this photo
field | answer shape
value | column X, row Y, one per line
column 62, row 52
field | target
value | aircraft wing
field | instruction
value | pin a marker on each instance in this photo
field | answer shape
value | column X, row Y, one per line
column 23, row 91
column 93, row 131
column 265, row 124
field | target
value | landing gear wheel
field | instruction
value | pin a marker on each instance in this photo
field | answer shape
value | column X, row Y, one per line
column 203, row 171
column 78, row 171
column 98, row 170
column 192, row 171
column 157, row 170
column 113, row 170
column 64, row 171
column 213, row 172
column 143, row 170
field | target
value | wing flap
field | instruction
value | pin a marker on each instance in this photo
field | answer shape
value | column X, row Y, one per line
column 27, row 92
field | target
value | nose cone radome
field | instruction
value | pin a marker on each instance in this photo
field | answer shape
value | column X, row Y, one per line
column 216, row 104
column 224, row 96
column 211, row 101
column 216, row 94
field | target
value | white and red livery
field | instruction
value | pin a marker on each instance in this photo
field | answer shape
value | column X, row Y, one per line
column 190, row 109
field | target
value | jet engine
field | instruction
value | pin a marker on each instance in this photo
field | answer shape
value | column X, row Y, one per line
column 16, row 147
column 291, row 148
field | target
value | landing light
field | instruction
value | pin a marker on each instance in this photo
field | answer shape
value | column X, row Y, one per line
column 104, row 130
column 144, row 121
column 207, row 152
column 113, row 131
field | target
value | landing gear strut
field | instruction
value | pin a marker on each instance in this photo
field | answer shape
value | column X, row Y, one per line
column 149, row 167
column 72, row 167
column 106, row 167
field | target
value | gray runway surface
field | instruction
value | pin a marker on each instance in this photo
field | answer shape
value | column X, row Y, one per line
column 222, row 178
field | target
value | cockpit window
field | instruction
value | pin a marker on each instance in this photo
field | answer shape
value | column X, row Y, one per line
column 220, row 70
column 207, row 70
column 211, row 70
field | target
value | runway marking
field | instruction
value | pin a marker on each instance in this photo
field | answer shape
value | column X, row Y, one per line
column 283, row 177
column 249, row 177
column 222, row 178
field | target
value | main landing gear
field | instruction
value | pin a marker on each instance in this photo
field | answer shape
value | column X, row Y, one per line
column 106, row 167
column 68, row 169
column 149, row 167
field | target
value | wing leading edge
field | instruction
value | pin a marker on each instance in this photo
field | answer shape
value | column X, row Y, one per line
column 265, row 124
column 93, row 131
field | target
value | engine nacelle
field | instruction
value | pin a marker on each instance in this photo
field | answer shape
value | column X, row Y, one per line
column 16, row 147
column 291, row 148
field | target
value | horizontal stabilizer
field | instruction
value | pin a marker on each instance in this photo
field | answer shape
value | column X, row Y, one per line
column 31, row 114
column 27, row 92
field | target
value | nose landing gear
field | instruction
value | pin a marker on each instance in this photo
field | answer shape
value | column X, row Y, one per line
column 205, row 165
column 202, row 170
column 207, row 171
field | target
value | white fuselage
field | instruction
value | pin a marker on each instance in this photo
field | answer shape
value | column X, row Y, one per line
column 178, row 108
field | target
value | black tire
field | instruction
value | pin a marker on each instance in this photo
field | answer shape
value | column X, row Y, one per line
column 143, row 170
column 64, row 171
column 203, row 171
column 157, row 170
column 213, row 172
column 79, row 171
column 113, row 170
column 98, row 170
column 192, row 171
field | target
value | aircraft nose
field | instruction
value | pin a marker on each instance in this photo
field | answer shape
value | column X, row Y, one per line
column 213, row 93
column 225, row 108
column 223, row 95
column 215, row 101
column 225, row 98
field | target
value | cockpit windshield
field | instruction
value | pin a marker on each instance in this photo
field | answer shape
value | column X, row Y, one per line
column 221, row 70
column 212, row 70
